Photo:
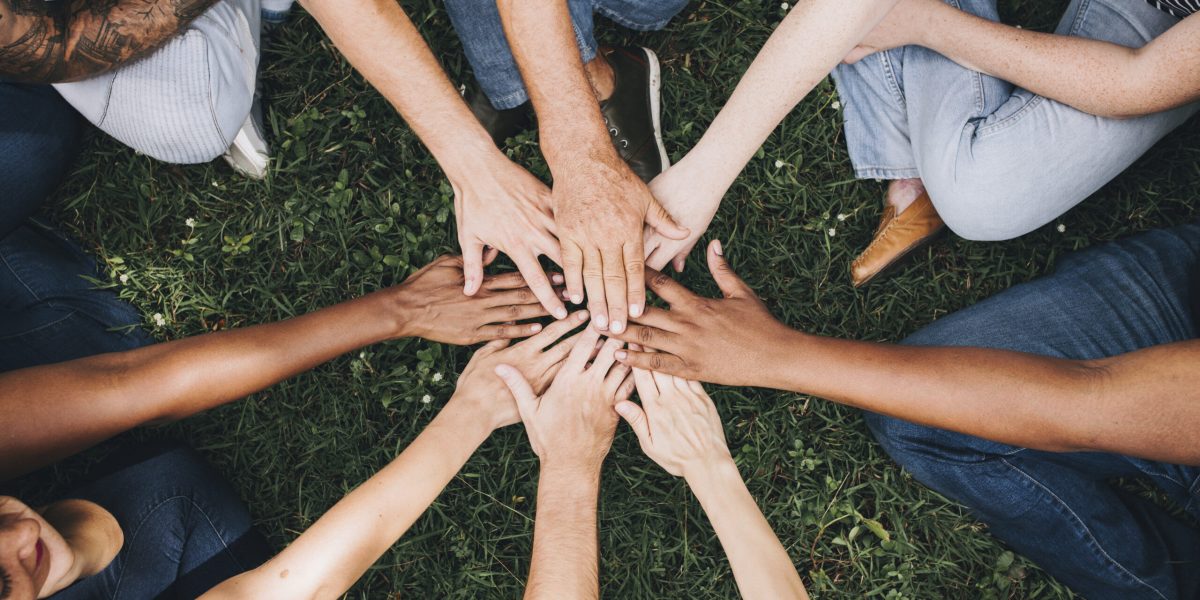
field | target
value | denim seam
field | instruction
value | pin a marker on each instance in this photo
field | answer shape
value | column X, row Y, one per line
column 889, row 75
column 40, row 327
column 4, row 259
column 880, row 172
column 622, row 21
column 1090, row 537
column 512, row 100
column 138, row 530
column 212, row 107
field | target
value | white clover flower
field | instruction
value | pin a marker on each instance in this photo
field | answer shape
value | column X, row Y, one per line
column 159, row 320
column 1061, row 228
column 842, row 216
column 784, row 6
column 836, row 105
column 779, row 164
column 124, row 278
column 190, row 222
column 831, row 231
column 426, row 399
column 437, row 377
column 215, row 184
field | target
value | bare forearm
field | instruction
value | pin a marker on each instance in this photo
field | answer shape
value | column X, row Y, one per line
column 379, row 39
column 565, row 556
column 760, row 564
column 811, row 41
column 569, row 119
column 84, row 38
column 1093, row 76
column 1144, row 403
column 326, row 560
column 56, row 410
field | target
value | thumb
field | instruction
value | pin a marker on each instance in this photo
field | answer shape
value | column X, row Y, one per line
column 472, row 266
column 731, row 285
column 521, row 390
column 661, row 221
column 636, row 417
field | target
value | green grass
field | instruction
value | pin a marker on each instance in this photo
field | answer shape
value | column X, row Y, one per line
column 355, row 203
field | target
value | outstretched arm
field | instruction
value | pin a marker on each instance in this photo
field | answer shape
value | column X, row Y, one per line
column 52, row 42
column 53, row 411
column 496, row 202
column 1011, row 397
column 678, row 427
column 1093, row 76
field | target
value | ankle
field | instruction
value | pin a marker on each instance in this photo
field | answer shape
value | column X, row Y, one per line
column 901, row 193
column 600, row 75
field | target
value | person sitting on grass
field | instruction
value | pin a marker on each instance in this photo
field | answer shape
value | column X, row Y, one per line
column 948, row 137
column 53, row 411
column 1021, row 407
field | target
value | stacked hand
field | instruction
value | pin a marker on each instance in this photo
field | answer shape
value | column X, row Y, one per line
column 692, row 202
column 677, row 424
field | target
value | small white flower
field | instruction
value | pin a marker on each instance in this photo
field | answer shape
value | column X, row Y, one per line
column 1062, row 228
column 437, row 377
column 362, row 355
column 841, row 216
column 124, row 278
column 784, row 6
column 831, row 231
column 426, row 399
column 215, row 184
column 836, row 105
column 779, row 164
column 159, row 320
column 190, row 222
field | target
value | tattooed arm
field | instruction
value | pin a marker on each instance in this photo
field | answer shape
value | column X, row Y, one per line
column 66, row 40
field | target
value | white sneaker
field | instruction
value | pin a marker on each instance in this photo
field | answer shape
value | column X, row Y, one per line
column 249, row 154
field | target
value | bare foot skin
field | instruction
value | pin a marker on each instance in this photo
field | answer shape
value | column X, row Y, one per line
column 903, row 192
column 601, row 76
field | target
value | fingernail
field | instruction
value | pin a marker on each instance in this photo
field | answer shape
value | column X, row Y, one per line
column 536, row 327
column 621, row 355
column 618, row 327
column 556, row 278
column 560, row 313
column 717, row 248
column 635, row 310
column 576, row 298
column 581, row 315
column 601, row 322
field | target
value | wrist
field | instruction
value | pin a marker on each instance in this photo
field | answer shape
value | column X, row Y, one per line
column 572, row 468
column 465, row 165
column 710, row 476
column 779, row 367
column 396, row 312
column 579, row 149
column 464, row 421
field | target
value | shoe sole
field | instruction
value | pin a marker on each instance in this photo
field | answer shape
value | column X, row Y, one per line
column 921, row 243
column 656, row 106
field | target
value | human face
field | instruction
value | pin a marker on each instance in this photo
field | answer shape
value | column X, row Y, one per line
column 34, row 558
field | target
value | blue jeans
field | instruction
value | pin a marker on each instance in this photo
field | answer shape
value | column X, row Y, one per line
column 478, row 25
column 49, row 312
column 998, row 161
column 1059, row 509
column 185, row 528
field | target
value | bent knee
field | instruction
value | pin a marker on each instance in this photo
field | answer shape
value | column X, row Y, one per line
column 993, row 211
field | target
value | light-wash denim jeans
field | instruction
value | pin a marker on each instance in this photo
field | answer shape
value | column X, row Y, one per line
column 998, row 161
column 478, row 25
column 1061, row 509
column 185, row 102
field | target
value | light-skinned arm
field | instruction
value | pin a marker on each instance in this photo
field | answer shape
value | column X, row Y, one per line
column 1093, row 76
column 571, row 428
column 678, row 427
column 599, row 203
column 53, row 411
column 497, row 203
column 1015, row 398
column 807, row 45
column 335, row 551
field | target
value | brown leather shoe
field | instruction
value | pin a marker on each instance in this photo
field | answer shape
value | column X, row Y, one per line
column 896, row 237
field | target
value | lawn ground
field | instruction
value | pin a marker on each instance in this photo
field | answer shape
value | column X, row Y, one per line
column 356, row 203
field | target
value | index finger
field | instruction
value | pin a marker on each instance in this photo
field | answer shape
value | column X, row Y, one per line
column 635, row 284
column 540, row 285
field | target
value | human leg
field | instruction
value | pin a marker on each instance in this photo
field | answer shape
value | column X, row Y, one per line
column 185, row 528
column 39, row 137
column 1058, row 508
column 188, row 101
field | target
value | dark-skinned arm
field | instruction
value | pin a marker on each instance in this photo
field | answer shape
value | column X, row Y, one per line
column 50, row 412
column 53, row 42
column 1011, row 397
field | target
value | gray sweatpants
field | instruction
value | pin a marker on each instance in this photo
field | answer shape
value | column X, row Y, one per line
column 185, row 102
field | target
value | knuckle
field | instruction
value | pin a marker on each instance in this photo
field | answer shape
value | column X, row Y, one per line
column 524, row 296
column 645, row 335
column 513, row 311
column 634, row 267
column 657, row 362
column 659, row 279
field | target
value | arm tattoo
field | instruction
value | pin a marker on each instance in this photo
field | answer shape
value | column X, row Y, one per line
column 50, row 42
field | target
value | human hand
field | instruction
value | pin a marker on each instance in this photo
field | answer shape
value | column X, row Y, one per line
column 677, row 424
column 505, row 208
column 537, row 359
column 430, row 304
column 599, row 209
column 572, row 424
column 726, row 340
column 903, row 25
column 692, row 206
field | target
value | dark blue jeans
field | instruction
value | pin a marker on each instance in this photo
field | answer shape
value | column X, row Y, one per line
column 478, row 25
column 1061, row 509
column 49, row 312
column 185, row 528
